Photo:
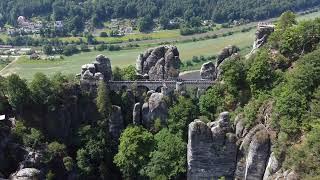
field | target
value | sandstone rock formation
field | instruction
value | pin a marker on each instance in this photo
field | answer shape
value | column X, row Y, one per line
column 263, row 32
column 258, row 155
column 26, row 174
column 208, row 71
column 32, row 159
column 212, row 71
column 253, row 154
column 116, row 124
column 155, row 108
column 285, row 174
column 97, row 70
column 212, row 149
column 216, row 149
column 137, row 114
column 162, row 62
column 226, row 53
column 272, row 167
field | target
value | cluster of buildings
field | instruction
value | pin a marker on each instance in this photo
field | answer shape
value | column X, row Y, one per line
column 13, row 51
column 26, row 26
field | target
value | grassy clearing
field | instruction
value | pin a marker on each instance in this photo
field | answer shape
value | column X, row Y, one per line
column 142, row 36
column 165, row 34
column 309, row 16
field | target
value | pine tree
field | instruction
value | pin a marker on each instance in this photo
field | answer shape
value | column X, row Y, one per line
column 103, row 100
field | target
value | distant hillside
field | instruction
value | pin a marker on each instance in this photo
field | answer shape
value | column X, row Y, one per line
column 100, row 10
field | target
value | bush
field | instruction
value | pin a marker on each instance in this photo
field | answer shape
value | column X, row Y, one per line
column 84, row 48
column 195, row 59
column 102, row 47
column 103, row 34
column 47, row 49
column 114, row 48
column 136, row 144
column 189, row 63
column 70, row 50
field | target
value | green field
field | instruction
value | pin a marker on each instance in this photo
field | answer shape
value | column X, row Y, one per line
column 164, row 34
column 71, row 65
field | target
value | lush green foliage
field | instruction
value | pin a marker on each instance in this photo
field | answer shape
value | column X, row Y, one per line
column 168, row 160
column 293, row 41
column 103, row 100
column 76, row 13
column 260, row 75
column 126, row 73
column 56, row 150
column 212, row 101
column 93, row 156
column 18, row 92
column 181, row 115
column 136, row 144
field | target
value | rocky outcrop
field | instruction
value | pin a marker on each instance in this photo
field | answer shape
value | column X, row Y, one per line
column 208, row 71
column 286, row 175
column 32, row 159
column 137, row 114
column 100, row 69
column 226, row 53
column 258, row 155
column 264, row 30
column 253, row 154
column 272, row 167
column 158, row 108
column 155, row 108
column 61, row 120
column 26, row 174
column 116, row 124
column 216, row 149
column 212, row 71
column 162, row 62
column 212, row 149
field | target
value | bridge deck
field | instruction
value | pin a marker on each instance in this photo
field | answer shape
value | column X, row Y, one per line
column 154, row 84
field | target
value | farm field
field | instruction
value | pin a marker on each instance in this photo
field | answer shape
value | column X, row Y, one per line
column 71, row 65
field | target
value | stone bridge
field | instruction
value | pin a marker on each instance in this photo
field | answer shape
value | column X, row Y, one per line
column 158, row 84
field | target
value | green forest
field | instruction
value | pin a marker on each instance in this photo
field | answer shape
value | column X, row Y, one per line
column 77, row 12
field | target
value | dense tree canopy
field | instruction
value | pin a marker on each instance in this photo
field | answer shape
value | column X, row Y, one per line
column 75, row 13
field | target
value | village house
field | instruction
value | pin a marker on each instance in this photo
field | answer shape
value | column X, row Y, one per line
column 58, row 25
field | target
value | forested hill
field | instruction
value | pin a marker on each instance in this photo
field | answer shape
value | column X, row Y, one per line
column 100, row 10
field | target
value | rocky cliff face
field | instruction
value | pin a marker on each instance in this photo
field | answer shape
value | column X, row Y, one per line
column 212, row 149
column 97, row 70
column 264, row 30
column 25, row 162
column 26, row 174
column 212, row 71
column 162, row 62
column 217, row 150
column 155, row 108
column 208, row 71
column 116, row 124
